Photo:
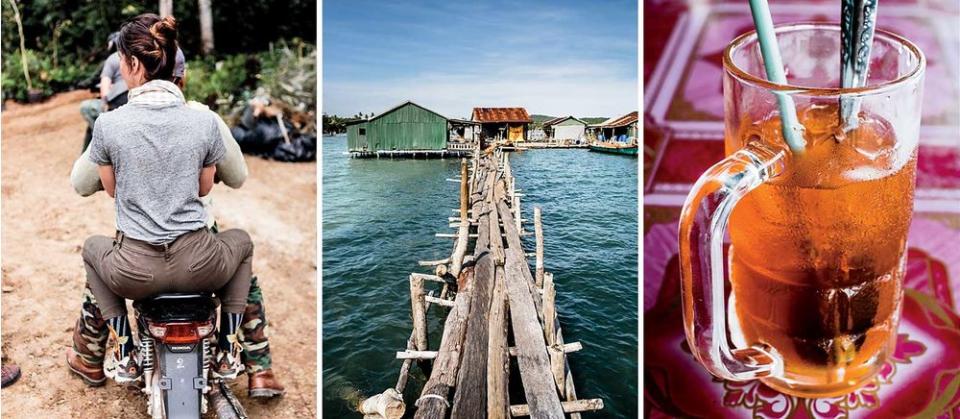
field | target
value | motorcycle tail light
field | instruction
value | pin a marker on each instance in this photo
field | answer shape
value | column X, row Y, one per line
column 157, row 330
column 176, row 332
column 205, row 329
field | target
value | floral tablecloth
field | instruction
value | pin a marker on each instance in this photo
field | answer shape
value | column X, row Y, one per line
column 683, row 136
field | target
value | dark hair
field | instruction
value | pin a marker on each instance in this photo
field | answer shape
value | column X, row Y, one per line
column 153, row 40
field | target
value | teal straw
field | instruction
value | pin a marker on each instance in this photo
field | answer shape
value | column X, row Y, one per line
column 769, row 49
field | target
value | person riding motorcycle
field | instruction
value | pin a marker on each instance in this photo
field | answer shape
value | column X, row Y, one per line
column 145, row 64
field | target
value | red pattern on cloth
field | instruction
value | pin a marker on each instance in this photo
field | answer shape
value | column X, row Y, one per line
column 683, row 132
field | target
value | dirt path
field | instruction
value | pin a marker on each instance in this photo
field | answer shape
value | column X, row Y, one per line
column 45, row 223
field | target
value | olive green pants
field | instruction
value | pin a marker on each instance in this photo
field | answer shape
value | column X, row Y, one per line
column 199, row 261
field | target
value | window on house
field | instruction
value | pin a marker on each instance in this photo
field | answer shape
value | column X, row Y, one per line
column 363, row 131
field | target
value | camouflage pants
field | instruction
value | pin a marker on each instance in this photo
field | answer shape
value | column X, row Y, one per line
column 90, row 109
column 90, row 334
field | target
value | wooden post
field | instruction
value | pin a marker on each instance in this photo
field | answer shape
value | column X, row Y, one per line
column 550, row 327
column 464, row 190
column 463, row 233
column 419, row 312
column 538, row 230
column 433, row 399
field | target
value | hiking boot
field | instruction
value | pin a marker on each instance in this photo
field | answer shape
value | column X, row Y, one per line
column 124, row 371
column 10, row 374
column 91, row 374
column 263, row 385
column 228, row 363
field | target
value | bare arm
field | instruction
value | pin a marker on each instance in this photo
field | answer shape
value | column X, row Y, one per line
column 206, row 179
column 108, row 180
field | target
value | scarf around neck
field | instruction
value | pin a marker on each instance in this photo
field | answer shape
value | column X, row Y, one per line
column 157, row 93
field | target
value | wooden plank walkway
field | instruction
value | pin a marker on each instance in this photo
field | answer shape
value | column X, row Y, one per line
column 492, row 297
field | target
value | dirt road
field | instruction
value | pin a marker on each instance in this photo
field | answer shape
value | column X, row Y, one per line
column 45, row 222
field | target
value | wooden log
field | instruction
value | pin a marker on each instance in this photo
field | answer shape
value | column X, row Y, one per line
column 433, row 399
column 565, row 348
column 513, row 240
column 498, row 359
column 538, row 229
column 434, row 262
column 408, row 354
column 439, row 301
column 388, row 405
column 419, row 312
column 575, row 406
column 470, row 398
column 532, row 358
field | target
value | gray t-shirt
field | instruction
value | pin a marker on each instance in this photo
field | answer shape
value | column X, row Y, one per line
column 157, row 154
column 111, row 70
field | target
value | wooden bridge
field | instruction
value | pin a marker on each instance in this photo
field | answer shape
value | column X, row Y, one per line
column 492, row 299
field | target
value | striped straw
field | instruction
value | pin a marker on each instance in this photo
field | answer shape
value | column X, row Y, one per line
column 769, row 49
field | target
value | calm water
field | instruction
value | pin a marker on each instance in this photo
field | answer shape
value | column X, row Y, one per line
column 379, row 217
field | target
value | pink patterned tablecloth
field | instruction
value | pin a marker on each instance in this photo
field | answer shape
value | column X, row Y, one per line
column 683, row 136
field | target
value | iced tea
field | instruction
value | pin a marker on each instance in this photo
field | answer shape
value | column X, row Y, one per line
column 817, row 254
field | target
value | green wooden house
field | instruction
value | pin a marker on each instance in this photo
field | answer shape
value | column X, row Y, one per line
column 407, row 127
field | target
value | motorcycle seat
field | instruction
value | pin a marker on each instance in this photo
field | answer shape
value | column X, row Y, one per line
column 174, row 307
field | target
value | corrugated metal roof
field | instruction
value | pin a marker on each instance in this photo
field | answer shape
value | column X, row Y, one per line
column 500, row 115
column 560, row 119
column 627, row 119
column 462, row 121
column 409, row 102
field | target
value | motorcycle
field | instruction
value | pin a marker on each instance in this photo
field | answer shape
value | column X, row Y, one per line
column 176, row 332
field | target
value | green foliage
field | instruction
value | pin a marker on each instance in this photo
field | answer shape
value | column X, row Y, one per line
column 286, row 73
column 68, row 38
column 47, row 78
column 335, row 124
column 217, row 83
column 290, row 75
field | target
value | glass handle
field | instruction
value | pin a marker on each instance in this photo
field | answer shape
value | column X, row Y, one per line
column 703, row 223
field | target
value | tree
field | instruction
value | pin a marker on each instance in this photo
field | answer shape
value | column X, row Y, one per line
column 166, row 8
column 206, row 26
column 23, row 48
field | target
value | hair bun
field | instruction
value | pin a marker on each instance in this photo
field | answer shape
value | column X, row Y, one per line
column 164, row 30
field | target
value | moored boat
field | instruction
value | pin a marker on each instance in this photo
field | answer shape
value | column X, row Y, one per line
column 615, row 148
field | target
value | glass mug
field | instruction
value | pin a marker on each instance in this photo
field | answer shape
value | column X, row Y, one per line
column 818, row 236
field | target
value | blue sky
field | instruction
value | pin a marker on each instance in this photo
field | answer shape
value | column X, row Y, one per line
column 552, row 57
